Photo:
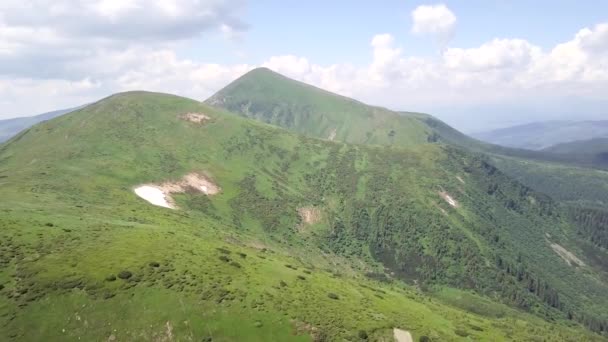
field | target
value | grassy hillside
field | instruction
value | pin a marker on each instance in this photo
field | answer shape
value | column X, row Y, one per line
column 81, row 256
column 565, row 183
column 273, row 98
column 542, row 135
column 269, row 97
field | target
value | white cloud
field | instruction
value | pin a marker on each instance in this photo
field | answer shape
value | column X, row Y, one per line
column 436, row 20
column 497, row 54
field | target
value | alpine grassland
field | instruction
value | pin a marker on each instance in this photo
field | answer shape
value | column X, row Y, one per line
column 308, row 239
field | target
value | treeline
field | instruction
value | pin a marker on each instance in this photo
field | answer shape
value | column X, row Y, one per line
column 592, row 224
column 533, row 284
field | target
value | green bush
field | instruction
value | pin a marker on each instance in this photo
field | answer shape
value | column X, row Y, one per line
column 301, row 277
column 283, row 284
column 224, row 258
column 154, row 264
column 362, row 334
column 333, row 296
column 111, row 277
column 424, row 339
column 242, row 255
column 223, row 250
column 462, row 333
column 125, row 275
column 235, row 264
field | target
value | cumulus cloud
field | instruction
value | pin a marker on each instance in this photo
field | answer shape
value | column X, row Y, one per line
column 56, row 38
column 436, row 20
column 123, row 20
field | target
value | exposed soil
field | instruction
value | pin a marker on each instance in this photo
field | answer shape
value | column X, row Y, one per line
column 448, row 198
column 195, row 117
column 308, row 215
column 160, row 194
column 402, row 335
column 332, row 135
column 565, row 254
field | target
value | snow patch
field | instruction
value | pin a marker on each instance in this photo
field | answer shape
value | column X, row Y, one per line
column 160, row 194
column 154, row 195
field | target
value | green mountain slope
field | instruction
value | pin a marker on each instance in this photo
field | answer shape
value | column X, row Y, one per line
column 269, row 97
column 307, row 238
column 273, row 98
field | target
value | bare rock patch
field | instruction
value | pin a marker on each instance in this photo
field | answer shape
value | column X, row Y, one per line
column 448, row 198
column 198, row 118
column 568, row 256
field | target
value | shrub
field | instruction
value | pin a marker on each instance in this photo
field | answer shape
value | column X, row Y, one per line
column 235, row 264
column 125, row 275
column 461, row 332
column 424, row 339
column 208, row 339
column 243, row 255
column 307, row 271
column 362, row 334
column 154, row 264
column 1, row 287
column 333, row 296
column 301, row 277
column 111, row 277
column 282, row 283
column 223, row 250
column 224, row 258
column 49, row 224
column 476, row 328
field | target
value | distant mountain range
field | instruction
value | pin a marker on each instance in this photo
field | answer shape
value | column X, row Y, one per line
column 541, row 135
column 10, row 127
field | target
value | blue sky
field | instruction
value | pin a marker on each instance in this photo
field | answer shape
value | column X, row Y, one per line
column 476, row 64
column 339, row 31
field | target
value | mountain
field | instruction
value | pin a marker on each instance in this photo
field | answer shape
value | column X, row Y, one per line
column 293, row 237
column 592, row 147
column 254, row 95
column 541, row 135
column 10, row 127
column 267, row 96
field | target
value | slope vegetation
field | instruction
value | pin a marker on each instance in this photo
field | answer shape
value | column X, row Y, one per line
column 82, row 253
